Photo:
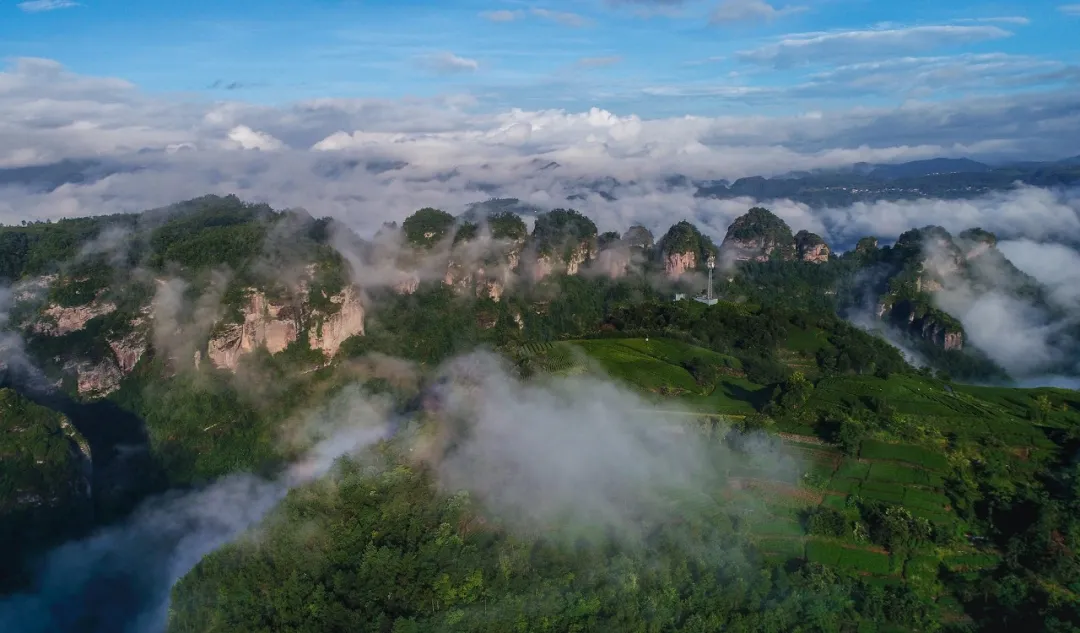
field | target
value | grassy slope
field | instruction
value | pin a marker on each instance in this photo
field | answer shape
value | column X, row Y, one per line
column 908, row 475
column 655, row 366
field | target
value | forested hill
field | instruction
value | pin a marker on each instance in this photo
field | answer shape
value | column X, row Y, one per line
column 789, row 470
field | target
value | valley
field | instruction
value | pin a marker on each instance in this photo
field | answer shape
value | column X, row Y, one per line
column 532, row 377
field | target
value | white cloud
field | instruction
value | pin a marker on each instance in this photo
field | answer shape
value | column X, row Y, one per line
column 1054, row 265
column 1069, row 9
column 159, row 151
column 925, row 75
column 248, row 138
column 1003, row 19
column 502, row 15
column 747, row 10
column 650, row 8
column 447, row 62
column 594, row 62
column 39, row 6
column 841, row 46
column 562, row 17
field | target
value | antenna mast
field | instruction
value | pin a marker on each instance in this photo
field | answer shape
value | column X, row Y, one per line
column 711, row 264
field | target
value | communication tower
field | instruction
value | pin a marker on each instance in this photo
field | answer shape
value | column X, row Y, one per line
column 708, row 298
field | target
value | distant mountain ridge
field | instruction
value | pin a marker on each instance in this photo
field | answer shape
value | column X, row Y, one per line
column 951, row 178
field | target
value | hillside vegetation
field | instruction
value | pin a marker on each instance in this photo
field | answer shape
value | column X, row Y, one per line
column 908, row 500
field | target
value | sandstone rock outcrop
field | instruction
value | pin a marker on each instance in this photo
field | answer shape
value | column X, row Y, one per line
column 677, row 264
column 59, row 320
column 758, row 236
column 266, row 324
column 811, row 248
column 129, row 350
column 346, row 322
column 95, row 380
column 684, row 249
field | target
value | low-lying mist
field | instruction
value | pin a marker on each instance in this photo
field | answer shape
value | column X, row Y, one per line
column 118, row 580
column 565, row 457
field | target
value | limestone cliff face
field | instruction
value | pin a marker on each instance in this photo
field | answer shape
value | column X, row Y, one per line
column 266, row 324
column 459, row 276
column 751, row 250
column 547, row 264
column 95, row 380
column 346, row 322
column 96, row 376
column 811, row 248
column 579, row 255
column 760, row 235
column 129, row 350
column 408, row 284
column 816, row 254
column 99, row 379
column 676, row 264
column 613, row 262
column 940, row 335
column 483, row 267
column 542, row 267
column 684, row 248
column 59, row 320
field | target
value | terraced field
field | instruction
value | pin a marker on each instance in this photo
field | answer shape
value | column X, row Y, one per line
column 910, row 475
column 656, row 366
column 889, row 477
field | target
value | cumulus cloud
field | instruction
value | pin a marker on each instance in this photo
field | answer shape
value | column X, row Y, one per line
column 730, row 11
column 841, row 46
column 365, row 162
column 1069, row 9
column 39, row 6
column 247, row 138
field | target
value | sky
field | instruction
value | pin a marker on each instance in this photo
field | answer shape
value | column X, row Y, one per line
column 291, row 102
column 652, row 58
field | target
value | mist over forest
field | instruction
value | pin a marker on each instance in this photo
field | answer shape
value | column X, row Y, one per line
column 627, row 315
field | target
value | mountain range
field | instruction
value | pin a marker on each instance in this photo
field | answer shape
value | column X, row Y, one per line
column 948, row 178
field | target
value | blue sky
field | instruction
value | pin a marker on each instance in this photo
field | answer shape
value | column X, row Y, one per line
column 649, row 57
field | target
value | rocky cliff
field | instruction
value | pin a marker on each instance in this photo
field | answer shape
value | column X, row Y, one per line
column 97, row 359
column 811, row 248
column 934, row 275
column 684, row 249
column 273, row 326
column 57, row 320
column 562, row 241
column 347, row 321
column 759, row 236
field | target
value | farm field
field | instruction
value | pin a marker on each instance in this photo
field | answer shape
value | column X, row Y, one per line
column 881, row 470
column 655, row 366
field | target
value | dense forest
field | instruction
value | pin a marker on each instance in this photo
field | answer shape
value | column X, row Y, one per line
column 910, row 498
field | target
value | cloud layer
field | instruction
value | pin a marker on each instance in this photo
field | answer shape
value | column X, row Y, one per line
column 369, row 161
